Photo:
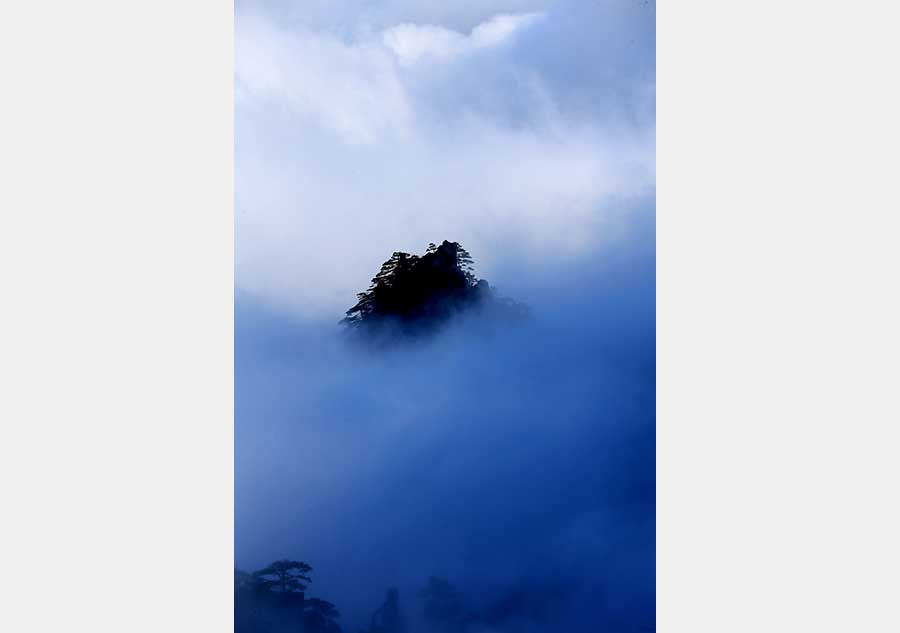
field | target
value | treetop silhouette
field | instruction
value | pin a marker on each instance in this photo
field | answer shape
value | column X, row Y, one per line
column 272, row 600
column 419, row 293
column 284, row 576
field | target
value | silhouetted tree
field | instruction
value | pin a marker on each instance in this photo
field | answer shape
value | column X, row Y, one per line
column 466, row 264
column 284, row 576
column 319, row 616
column 272, row 600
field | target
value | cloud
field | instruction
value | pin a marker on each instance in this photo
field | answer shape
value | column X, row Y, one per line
column 354, row 141
column 525, row 130
column 352, row 90
column 500, row 461
column 413, row 42
column 355, row 16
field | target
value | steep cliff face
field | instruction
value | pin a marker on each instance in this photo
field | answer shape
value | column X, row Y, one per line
column 414, row 294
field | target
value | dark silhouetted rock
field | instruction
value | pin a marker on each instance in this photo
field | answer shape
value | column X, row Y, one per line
column 415, row 294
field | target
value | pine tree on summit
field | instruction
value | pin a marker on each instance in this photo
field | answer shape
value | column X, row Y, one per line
column 417, row 293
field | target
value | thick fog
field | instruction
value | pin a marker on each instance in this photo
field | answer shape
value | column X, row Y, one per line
column 499, row 458
column 515, row 461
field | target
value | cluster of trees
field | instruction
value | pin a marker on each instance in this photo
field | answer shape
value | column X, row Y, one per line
column 412, row 293
column 273, row 599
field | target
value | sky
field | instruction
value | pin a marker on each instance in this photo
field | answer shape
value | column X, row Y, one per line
column 513, row 459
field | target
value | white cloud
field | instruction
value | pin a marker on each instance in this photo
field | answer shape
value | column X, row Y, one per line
column 351, row 147
column 351, row 89
column 356, row 15
column 412, row 42
column 498, row 28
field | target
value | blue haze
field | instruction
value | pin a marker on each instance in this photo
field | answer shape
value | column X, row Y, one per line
column 502, row 459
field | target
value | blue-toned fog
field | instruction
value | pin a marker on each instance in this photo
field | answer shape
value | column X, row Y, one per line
column 519, row 458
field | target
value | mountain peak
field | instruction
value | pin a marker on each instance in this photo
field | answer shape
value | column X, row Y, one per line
column 417, row 293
